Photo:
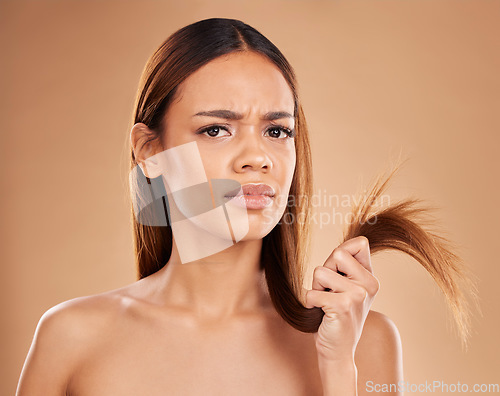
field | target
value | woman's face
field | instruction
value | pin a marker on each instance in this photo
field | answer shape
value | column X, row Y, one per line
column 223, row 107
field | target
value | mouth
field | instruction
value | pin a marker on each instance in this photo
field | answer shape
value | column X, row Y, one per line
column 252, row 196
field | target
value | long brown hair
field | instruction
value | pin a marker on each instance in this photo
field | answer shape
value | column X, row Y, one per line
column 285, row 249
column 410, row 226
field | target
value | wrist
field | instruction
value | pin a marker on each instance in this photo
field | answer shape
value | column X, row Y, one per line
column 338, row 376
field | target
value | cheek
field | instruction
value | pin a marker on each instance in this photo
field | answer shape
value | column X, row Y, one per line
column 285, row 174
column 214, row 163
column 288, row 166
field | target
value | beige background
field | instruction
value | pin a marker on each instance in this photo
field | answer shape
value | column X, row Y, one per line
column 376, row 77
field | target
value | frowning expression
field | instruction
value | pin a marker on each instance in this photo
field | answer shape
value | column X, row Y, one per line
column 239, row 110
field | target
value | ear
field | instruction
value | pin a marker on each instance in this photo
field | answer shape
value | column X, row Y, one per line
column 146, row 144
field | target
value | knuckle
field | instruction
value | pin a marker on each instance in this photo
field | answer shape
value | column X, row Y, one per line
column 338, row 253
column 361, row 293
column 312, row 298
column 317, row 271
column 308, row 298
column 375, row 285
column 344, row 306
column 364, row 240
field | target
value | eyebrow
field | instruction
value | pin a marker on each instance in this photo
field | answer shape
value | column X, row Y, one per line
column 231, row 115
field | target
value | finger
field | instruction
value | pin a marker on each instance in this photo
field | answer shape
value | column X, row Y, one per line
column 326, row 278
column 329, row 302
column 342, row 261
column 316, row 298
column 359, row 248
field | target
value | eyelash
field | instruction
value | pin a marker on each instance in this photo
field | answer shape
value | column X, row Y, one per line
column 289, row 132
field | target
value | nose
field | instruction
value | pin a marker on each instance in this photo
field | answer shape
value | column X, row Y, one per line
column 252, row 155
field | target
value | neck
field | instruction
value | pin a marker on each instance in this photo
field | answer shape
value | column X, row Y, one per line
column 225, row 284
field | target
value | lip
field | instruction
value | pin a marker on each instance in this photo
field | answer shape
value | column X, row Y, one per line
column 253, row 189
column 252, row 196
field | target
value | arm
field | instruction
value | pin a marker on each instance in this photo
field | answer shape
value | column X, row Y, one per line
column 339, row 378
column 344, row 287
column 52, row 356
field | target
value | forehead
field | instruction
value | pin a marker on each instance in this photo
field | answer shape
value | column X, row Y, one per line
column 242, row 81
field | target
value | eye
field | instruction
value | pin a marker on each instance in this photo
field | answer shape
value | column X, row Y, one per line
column 276, row 131
column 212, row 131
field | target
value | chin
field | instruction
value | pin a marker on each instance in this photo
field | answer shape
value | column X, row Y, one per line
column 246, row 224
column 263, row 223
column 257, row 232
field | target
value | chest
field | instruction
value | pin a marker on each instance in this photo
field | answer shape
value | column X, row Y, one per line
column 172, row 360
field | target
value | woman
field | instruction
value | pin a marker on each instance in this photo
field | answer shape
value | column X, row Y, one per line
column 219, row 145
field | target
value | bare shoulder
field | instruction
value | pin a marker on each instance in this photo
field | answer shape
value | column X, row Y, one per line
column 379, row 354
column 62, row 336
column 80, row 317
column 378, row 329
